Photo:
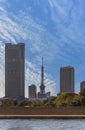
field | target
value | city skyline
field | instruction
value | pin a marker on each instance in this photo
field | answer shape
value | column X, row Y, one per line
column 14, row 64
column 52, row 29
column 15, row 75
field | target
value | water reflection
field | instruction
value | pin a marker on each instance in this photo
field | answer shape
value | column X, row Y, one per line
column 17, row 128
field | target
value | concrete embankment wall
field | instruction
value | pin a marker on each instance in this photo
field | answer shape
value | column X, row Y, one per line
column 43, row 111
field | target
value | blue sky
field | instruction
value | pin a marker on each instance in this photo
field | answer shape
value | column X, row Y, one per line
column 54, row 29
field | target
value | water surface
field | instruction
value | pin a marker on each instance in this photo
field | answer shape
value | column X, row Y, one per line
column 34, row 124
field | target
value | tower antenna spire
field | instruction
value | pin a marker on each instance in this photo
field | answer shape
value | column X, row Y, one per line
column 42, row 94
column 42, row 60
column 42, row 86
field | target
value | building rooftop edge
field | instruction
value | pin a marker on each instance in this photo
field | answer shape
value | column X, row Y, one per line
column 15, row 44
column 67, row 67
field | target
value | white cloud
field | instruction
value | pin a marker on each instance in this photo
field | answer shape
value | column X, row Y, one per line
column 2, row 70
column 57, row 7
column 2, row 0
column 14, row 30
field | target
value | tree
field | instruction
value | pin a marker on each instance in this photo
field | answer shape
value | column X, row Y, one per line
column 8, row 102
column 65, row 99
column 82, row 100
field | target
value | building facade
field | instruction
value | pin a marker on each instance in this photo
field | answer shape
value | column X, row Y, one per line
column 82, row 85
column 66, row 79
column 32, row 92
column 14, row 70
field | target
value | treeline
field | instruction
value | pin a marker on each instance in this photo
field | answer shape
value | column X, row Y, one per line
column 63, row 100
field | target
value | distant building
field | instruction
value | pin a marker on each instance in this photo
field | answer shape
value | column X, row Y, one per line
column 66, row 79
column 32, row 92
column 14, row 70
column 42, row 94
column 82, row 85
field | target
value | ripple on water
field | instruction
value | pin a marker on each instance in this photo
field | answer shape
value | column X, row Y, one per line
column 42, row 124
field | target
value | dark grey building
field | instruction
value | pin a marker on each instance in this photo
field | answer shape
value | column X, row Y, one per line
column 14, row 70
column 66, row 79
column 32, row 92
column 82, row 85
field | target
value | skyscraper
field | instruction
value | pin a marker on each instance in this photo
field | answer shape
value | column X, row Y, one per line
column 66, row 79
column 14, row 70
column 32, row 92
column 82, row 85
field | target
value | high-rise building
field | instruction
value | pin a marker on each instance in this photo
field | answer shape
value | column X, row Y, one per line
column 32, row 92
column 66, row 79
column 82, row 85
column 14, row 70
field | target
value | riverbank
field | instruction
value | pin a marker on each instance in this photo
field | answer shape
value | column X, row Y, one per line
column 42, row 113
column 42, row 116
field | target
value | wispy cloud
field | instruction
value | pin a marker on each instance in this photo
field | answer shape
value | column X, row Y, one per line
column 56, row 7
column 28, row 30
column 60, row 46
column 70, row 26
column 2, row 0
column 2, row 69
column 68, row 17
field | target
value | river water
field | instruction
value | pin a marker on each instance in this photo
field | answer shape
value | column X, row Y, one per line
column 34, row 124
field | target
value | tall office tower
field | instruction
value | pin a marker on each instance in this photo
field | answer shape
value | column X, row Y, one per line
column 14, row 70
column 32, row 92
column 66, row 79
column 82, row 85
